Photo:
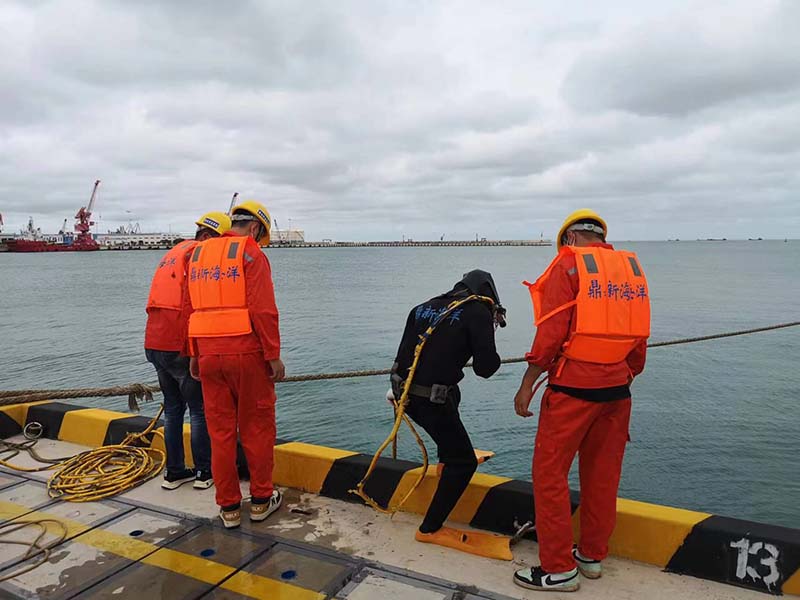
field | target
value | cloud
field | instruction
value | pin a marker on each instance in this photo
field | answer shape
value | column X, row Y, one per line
column 374, row 120
column 683, row 66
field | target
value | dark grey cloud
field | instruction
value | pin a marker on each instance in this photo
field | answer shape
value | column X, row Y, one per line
column 364, row 120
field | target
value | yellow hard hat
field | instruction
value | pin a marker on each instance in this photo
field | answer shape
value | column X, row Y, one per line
column 215, row 221
column 259, row 212
column 581, row 214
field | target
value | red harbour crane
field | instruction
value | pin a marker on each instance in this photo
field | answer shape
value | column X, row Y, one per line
column 83, row 219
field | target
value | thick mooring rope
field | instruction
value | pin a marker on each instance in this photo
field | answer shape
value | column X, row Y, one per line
column 111, row 470
column 144, row 391
column 134, row 391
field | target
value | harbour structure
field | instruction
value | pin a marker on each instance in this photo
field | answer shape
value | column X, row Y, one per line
column 124, row 239
column 408, row 243
column 31, row 239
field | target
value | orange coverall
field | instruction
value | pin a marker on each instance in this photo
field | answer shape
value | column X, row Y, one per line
column 597, row 431
column 238, row 388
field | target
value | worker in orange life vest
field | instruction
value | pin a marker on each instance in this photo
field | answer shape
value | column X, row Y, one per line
column 234, row 334
column 592, row 314
column 165, row 345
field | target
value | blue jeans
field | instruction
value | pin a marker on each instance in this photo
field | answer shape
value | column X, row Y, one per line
column 181, row 390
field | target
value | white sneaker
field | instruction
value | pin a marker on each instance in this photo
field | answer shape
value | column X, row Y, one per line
column 231, row 518
column 172, row 481
column 589, row 568
column 261, row 510
column 536, row 578
column 203, row 480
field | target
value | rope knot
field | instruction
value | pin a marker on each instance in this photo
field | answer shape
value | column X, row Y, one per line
column 136, row 392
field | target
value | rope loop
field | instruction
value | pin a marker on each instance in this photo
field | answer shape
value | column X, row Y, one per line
column 33, row 430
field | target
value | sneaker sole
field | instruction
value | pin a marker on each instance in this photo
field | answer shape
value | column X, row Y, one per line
column 570, row 588
column 229, row 523
column 583, row 567
column 174, row 485
column 589, row 574
column 263, row 517
column 202, row 485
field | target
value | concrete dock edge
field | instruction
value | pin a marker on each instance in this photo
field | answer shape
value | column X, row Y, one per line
column 753, row 555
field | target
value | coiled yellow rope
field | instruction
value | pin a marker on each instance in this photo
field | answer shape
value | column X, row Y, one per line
column 400, row 416
column 108, row 470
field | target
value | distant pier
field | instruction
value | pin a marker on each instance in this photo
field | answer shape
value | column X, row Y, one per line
column 410, row 244
column 166, row 244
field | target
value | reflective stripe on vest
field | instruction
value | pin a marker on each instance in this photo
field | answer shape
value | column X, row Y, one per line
column 612, row 306
column 217, row 289
column 166, row 290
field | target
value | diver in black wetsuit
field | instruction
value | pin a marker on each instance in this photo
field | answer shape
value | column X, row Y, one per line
column 467, row 332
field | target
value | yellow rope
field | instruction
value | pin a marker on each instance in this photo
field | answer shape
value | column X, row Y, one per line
column 35, row 547
column 12, row 449
column 8, row 465
column 400, row 416
column 94, row 474
column 108, row 470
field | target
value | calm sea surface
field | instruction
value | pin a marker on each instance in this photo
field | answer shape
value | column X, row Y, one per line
column 716, row 425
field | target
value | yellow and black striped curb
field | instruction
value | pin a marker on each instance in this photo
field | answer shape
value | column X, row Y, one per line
column 743, row 553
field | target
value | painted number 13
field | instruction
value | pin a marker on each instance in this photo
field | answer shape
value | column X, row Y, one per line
column 748, row 551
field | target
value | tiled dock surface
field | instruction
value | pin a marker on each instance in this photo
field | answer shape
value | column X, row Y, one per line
column 116, row 549
column 149, row 544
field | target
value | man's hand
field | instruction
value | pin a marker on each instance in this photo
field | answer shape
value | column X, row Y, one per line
column 278, row 369
column 525, row 394
column 194, row 368
column 522, row 401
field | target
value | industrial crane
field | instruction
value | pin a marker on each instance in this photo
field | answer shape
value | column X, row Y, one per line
column 84, row 221
column 63, row 229
column 233, row 202
column 278, row 231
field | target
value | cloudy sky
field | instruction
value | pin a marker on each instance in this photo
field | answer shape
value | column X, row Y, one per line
column 374, row 120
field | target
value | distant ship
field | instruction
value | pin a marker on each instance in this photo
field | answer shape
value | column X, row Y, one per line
column 31, row 239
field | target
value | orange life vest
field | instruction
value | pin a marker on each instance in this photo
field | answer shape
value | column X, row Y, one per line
column 612, row 306
column 166, row 290
column 217, row 288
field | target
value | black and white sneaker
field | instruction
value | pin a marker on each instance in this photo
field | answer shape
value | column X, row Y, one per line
column 173, row 481
column 589, row 568
column 536, row 578
column 261, row 509
column 203, row 480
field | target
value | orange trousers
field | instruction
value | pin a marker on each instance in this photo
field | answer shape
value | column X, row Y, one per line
column 239, row 398
column 598, row 431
